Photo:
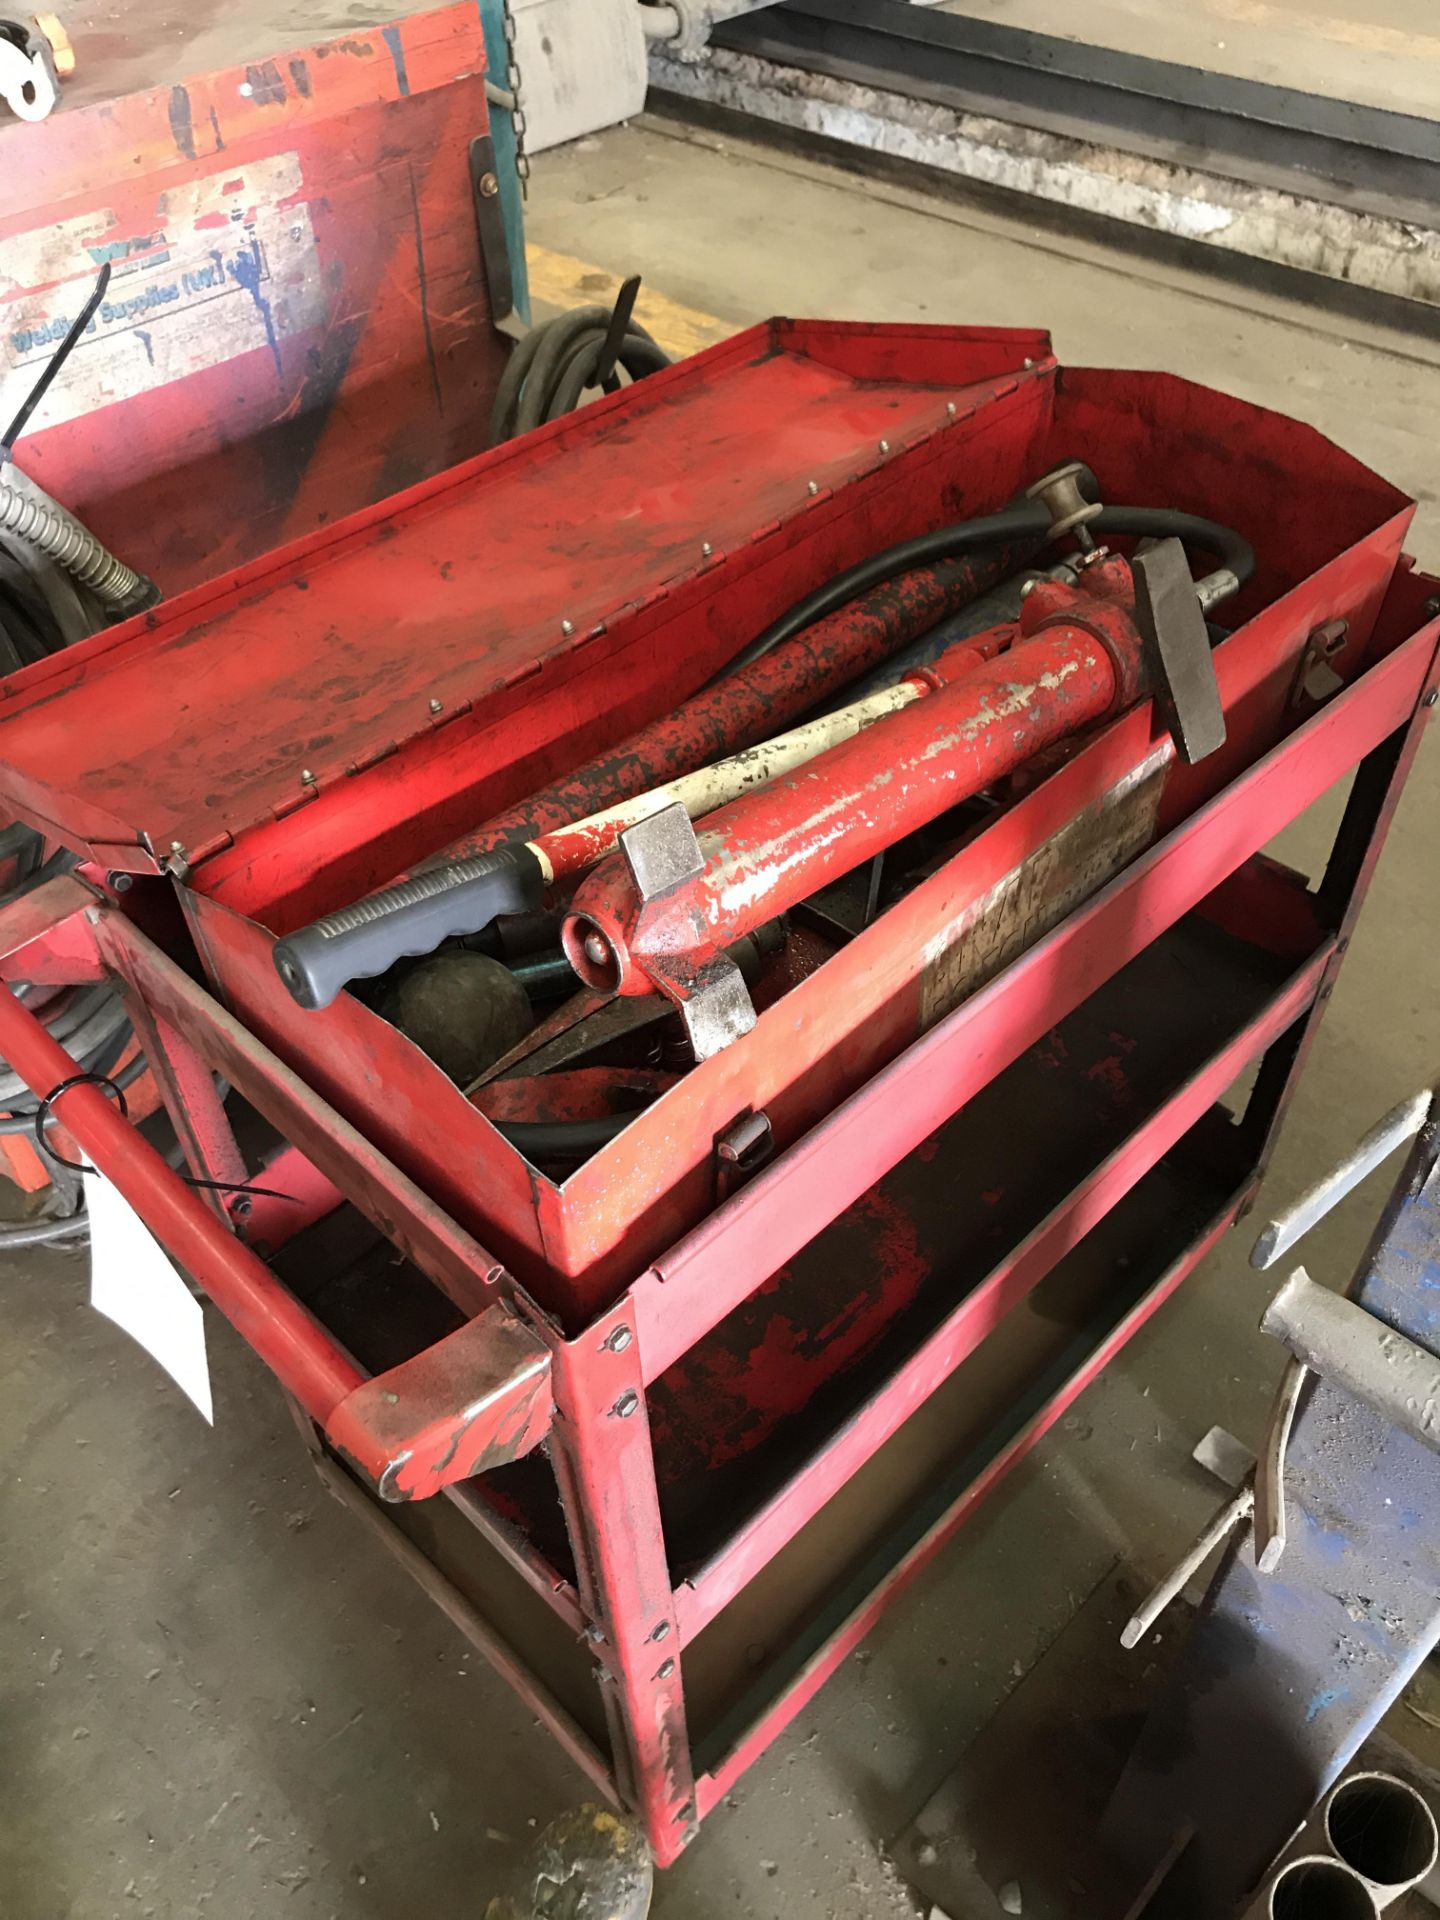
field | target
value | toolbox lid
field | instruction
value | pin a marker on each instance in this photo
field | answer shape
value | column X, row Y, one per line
column 246, row 698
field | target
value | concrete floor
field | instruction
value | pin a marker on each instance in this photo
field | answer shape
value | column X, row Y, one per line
column 218, row 1698
column 1385, row 53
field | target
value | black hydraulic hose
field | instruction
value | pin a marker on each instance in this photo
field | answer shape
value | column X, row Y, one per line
column 1222, row 543
column 64, row 1022
column 639, row 355
column 84, row 1027
column 1014, row 524
column 541, row 1140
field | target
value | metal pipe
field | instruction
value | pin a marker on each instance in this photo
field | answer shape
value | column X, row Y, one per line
column 1402, row 1123
column 659, row 22
column 1314, row 1888
column 490, row 872
column 305, row 1361
column 1219, row 1528
column 1382, row 1829
column 1339, row 1340
column 693, row 21
column 770, row 849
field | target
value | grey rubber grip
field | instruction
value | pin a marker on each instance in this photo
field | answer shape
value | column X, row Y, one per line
column 364, row 940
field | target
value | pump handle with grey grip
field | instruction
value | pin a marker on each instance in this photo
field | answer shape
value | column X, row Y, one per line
column 412, row 917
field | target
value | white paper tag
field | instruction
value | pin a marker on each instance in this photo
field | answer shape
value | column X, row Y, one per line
column 133, row 1283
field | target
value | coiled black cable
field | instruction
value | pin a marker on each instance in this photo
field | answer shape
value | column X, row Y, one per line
column 555, row 363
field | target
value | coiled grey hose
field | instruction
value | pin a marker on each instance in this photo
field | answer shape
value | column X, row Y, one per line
column 56, row 533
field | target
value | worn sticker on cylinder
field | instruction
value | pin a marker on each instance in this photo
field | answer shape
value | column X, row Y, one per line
column 1034, row 897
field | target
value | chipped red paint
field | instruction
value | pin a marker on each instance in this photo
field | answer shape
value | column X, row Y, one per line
column 568, row 851
column 473, row 1402
column 752, row 704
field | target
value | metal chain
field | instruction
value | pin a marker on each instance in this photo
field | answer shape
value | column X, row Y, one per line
column 517, row 113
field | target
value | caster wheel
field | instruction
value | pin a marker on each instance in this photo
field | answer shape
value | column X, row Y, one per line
column 591, row 1864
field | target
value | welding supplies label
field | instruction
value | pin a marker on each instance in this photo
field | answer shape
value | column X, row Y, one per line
column 218, row 267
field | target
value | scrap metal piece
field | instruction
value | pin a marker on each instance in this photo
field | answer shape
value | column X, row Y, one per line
column 662, row 852
column 1402, row 1123
column 1178, row 660
column 1225, row 1458
column 1221, row 1525
column 1270, row 1524
column 1339, row 1339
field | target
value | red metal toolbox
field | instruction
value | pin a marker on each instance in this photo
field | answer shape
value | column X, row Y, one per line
column 633, row 1421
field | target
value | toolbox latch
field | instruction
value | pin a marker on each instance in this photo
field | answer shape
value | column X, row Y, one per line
column 744, row 1147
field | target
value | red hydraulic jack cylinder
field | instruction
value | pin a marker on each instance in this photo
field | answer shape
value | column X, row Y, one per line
column 751, row 704
column 480, row 877
column 659, row 916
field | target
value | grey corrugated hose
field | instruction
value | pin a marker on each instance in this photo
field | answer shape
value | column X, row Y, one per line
column 29, row 514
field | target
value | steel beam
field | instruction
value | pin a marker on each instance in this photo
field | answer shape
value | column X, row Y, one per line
column 1369, row 159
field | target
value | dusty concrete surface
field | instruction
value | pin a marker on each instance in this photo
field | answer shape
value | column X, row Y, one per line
column 217, row 1698
column 1385, row 53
